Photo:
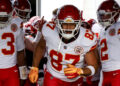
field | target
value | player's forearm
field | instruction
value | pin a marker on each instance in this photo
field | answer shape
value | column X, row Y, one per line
column 92, row 63
column 22, row 65
column 38, row 53
column 21, row 60
column 37, row 57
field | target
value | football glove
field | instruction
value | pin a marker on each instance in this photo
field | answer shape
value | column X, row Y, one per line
column 71, row 71
column 33, row 75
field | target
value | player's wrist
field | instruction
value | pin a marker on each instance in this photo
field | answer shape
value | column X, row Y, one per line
column 92, row 69
column 23, row 72
column 34, row 68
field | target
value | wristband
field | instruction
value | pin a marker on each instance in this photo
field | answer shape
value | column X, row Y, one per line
column 92, row 69
column 23, row 72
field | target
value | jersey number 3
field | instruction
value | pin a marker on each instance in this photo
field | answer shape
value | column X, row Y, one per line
column 9, row 43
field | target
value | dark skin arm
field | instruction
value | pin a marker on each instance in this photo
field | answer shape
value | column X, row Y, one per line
column 91, row 58
column 21, row 61
column 39, row 47
column 39, row 52
column 97, row 56
column 29, row 44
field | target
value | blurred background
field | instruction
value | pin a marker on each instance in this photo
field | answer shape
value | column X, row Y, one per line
column 33, row 6
column 89, row 7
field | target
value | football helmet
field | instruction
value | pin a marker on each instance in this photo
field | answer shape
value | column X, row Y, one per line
column 65, row 15
column 34, row 22
column 5, row 12
column 108, row 13
column 22, row 9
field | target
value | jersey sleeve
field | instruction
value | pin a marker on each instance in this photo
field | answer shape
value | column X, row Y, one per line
column 90, row 40
column 19, row 35
column 48, row 26
column 93, row 43
column 20, row 41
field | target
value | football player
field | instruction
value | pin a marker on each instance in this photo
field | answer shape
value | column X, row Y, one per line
column 68, row 46
column 108, row 14
column 11, row 47
column 22, row 9
column 32, row 37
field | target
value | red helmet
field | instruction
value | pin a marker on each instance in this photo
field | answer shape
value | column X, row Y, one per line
column 108, row 13
column 22, row 9
column 5, row 12
column 68, row 14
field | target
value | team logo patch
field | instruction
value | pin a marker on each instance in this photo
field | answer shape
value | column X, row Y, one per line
column 78, row 50
column 112, row 32
column 14, row 27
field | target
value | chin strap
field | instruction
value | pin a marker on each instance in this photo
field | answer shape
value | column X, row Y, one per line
column 59, row 46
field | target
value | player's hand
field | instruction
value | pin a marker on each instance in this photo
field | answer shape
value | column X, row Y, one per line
column 33, row 75
column 71, row 71
column 41, row 23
